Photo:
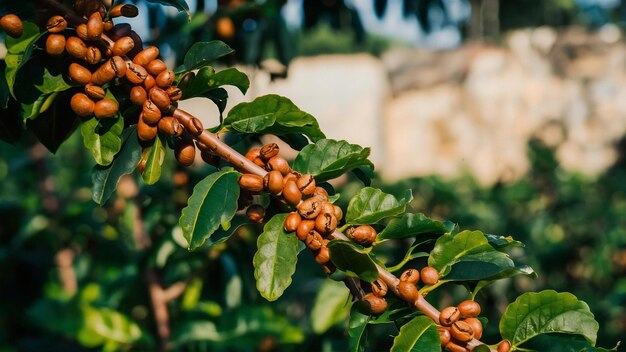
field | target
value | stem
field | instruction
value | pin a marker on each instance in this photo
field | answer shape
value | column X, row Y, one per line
column 159, row 308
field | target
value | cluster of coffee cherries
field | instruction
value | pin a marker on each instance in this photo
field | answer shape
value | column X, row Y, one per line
column 12, row 25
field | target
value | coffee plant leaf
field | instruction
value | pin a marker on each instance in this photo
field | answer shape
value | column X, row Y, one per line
column 357, row 330
column 109, row 325
column 207, row 80
column 353, row 260
column 562, row 343
column 5, row 94
column 490, row 265
column 536, row 313
column 19, row 51
column 272, row 114
column 202, row 54
column 413, row 225
column 56, row 124
column 180, row 5
column 418, row 335
column 371, row 205
column 106, row 178
column 219, row 97
column 365, row 174
column 275, row 259
column 482, row 348
column 103, row 137
column 502, row 242
column 295, row 140
column 329, row 158
column 212, row 203
column 331, row 306
column 154, row 155
column 449, row 249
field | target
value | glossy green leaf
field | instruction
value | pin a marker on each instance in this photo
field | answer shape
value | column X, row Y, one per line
column 449, row 249
column 106, row 178
column 155, row 156
column 272, row 114
column 502, row 242
column 331, row 306
column 562, row 343
column 328, row 158
column 412, row 225
column 212, row 203
column 486, row 265
column 202, row 54
column 103, row 137
column 357, row 330
column 19, row 51
column 353, row 260
column 207, row 80
column 181, row 5
column 110, row 325
column 418, row 335
column 371, row 205
column 55, row 125
column 533, row 314
column 275, row 259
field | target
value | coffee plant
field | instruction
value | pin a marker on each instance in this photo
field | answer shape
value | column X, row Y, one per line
column 76, row 65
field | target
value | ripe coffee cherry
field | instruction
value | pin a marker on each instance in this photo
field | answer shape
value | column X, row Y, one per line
column 95, row 26
column 93, row 55
column 125, row 10
column 469, row 309
column 338, row 213
column 320, row 193
column 250, row 182
column 146, row 132
column 145, row 56
column 105, row 108
column 449, row 316
column 461, row 331
column 109, row 70
column 108, row 25
column 323, row 256
column 82, row 105
column 165, row 79
column 327, row 207
column 310, row 208
column 273, row 182
column 174, row 93
column 292, row 176
column 364, row 235
column 504, row 346
column 55, row 44
column 123, row 45
column 453, row 347
column 136, row 74
column 94, row 92
column 253, row 154
column 149, row 83
column 410, row 275
column 372, row 305
column 161, row 100
column 477, row 327
column 407, row 291
column 325, row 223
column 170, row 126
column 444, row 335
column 209, row 157
column 291, row 193
column 278, row 163
column 429, row 275
column 314, row 241
column 151, row 114
column 185, row 153
column 138, row 95
column 76, row 47
column 79, row 74
column 195, row 128
column 306, row 184
column 269, row 151
column 379, row 288
column 256, row 213
column 56, row 24
column 304, row 228
column 155, row 67
column 12, row 25
column 119, row 66
column 292, row 222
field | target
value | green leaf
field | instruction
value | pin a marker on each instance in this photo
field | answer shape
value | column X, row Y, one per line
column 19, row 51
column 55, row 125
column 202, row 54
column 106, row 178
column 412, row 225
column 213, row 202
column 330, row 307
column 562, row 343
column 328, row 158
column 371, row 205
column 349, row 258
column 486, row 265
column 449, row 249
column 502, row 242
column 155, row 157
column 272, row 114
column 103, row 137
column 207, row 80
column 418, row 335
column 181, row 5
column 533, row 314
column 357, row 330
column 275, row 259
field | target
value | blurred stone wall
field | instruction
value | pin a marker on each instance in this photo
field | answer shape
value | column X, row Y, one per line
column 471, row 110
